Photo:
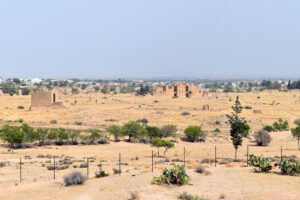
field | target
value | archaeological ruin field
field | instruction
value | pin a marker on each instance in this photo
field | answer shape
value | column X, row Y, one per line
column 225, row 179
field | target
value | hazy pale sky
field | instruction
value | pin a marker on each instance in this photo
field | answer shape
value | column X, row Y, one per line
column 127, row 38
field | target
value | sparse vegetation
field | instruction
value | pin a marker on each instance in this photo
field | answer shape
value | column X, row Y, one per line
column 74, row 178
column 262, row 138
column 175, row 176
column 186, row 196
column 260, row 163
column 289, row 166
column 193, row 133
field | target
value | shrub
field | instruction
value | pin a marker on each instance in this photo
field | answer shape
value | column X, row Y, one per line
column 21, row 107
column 289, row 166
column 185, row 113
column 78, row 123
column 143, row 121
column 176, row 176
column 200, row 169
column 53, row 121
column 116, row 171
column 192, row 133
column 268, row 128
column 74, row 178
column 186, row 196
column 217, row 130
column 248, row 107
column 262, row 138
column 100, row 173
column 297, row 122
column 263, row 164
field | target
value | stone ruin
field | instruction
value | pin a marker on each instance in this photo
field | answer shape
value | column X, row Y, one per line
column 205, row 107
column 180, row 90
column 45, row 100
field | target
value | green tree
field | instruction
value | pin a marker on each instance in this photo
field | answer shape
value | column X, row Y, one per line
column 74, row 91
column 30, row 134
column 133, row 130
column 296, row 133
column 25, row 91
column 94, row 135
column 74, row 135
column 239, row 127
column 116, row 131
column 53, row 135
column 13, row 135
column 157, row 142
column 152, row 132
column 297, row 122
column 41, row 135
column 62, row 135
column 168, row 131
column 192, row 133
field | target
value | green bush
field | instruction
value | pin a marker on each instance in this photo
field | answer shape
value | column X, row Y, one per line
column 53, row 121
column 263, row 164
column 289, row 166
column 186, row 196
column 192, row 133
column 175, row 176
column 21, row 107
column 248, row 107
column 268, row 128
column 78, row 123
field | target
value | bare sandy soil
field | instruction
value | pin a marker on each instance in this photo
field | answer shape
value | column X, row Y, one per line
column 99, row 110
column 234, row 180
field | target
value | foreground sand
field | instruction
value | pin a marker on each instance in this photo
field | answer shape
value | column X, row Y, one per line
column 235, row 180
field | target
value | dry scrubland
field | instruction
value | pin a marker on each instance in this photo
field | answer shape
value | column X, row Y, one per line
column 235, row 180
column 166, row 111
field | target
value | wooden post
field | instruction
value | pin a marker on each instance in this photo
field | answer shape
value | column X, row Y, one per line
column 119, row 163
column 247, row 154
column 184, row 156
column 215, row 155
column 87, row 167
column 20, row 169
column 54, row 167
column 152, row 161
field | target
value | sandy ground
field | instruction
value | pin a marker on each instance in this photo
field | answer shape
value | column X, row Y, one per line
column 124, row 107
column 235, row 180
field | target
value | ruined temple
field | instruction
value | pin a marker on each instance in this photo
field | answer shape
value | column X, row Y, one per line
column 180, row 90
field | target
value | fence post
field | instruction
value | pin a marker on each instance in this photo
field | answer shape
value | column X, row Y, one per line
column 119, row 163
column 184, row 156
column 87, row 167
column 281, row 153
column 20, row 169
column 152, row 161
column 54, row 167
column 247, row 154
column 215, row 155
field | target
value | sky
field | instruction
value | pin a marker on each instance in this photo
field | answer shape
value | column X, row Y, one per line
column 149, row 38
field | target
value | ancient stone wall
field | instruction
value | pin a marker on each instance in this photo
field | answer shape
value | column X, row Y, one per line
column 42, row 99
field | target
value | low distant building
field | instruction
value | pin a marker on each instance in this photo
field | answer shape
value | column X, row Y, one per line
column 180, row 90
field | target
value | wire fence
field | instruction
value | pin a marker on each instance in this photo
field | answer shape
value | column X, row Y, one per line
column 46, row 167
